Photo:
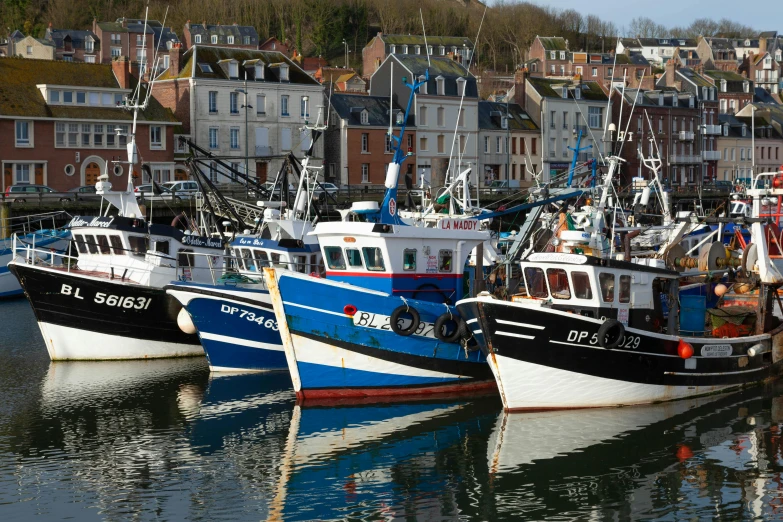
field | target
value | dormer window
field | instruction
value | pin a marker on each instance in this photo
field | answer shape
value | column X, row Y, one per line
column 767, row 61
column 442, row 50
column 230, row 40
column 690, row 102
column 726, row 129
column 664, row 41
column 747, row 43
column 400, row 117
column 197, row 38
column 504, row 123
column 259, row 72
column 746, row 86
column 364, row 117
column 562, row 55
column 404, row 49
column 429, row 50
column 565, row 92
column 418, row 49
column 214, row 39
column 89, row 45
column 577, row 93
column 233, row 70
column 744, row 129
column 423, row 86
column 705, row 93
column 392, row 49
column 441, row 85
column 723, row 86
column 552, row 55
column 284, row 73
column 660, row 99
column 461, row 86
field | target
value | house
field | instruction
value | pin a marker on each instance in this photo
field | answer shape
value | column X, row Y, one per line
column 74, row 46
column 705, row 94
column 29, row 47
column 309, row 64
column 734, row 91
column 273, row 44
column 357, row 145
column 340, row 79
column 446, row 121
column 765, row 122
column 6, row 44
column 227, row 36
column 717, row 53
column 736, row 144
column 563, row 109
column 508, row 143
column 241, row 103
column 763, row 69
column 548, row 56
column 65, row 127
column 351, row 82
column 664, row 123
column 382, row 45
column 625, row 69
column 125, row 37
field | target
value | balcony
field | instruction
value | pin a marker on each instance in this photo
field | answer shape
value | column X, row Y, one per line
column 710, row 155
column 711, row 129
column 686, row 136
column 263, row 150
column 684, row 158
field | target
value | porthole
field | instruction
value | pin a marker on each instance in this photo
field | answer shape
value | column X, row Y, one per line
column 69, row 170
column 118, row 170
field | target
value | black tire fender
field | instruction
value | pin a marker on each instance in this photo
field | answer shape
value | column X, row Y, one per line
column 442, row 321
column 395, row 317
column 611, row 334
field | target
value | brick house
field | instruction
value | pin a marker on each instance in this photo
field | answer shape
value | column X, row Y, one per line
column 64, row 134
column 763, row 69
column 717, row 53
column 548, row 56
column 734, row 91
column 241, row 103
column 273, row 44
column 382, row 45
column 228, row 36
column 74, row 46
column 356, row 143
column 508, row 143
column 674, row 118
column 629, row 68
column 125, row 37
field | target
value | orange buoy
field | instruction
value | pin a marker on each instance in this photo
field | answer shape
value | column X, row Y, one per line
column 720, row 289
column 684, row 452
column 684, row 349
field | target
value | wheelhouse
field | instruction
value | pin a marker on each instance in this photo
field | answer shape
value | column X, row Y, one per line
column 252, row 255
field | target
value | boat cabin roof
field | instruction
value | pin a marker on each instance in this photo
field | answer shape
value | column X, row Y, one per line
column 579, row 259
column 140, row 226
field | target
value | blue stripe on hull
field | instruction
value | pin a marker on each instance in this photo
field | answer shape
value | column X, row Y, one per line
column 321, row 376
column 244, row 322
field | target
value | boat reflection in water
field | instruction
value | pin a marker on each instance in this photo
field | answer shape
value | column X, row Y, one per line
column 699, row 457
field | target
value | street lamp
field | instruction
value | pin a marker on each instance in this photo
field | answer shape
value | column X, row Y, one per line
column 246, row 106
column 346, row 53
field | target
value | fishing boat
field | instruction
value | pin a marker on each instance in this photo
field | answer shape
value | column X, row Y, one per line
column 589, row 331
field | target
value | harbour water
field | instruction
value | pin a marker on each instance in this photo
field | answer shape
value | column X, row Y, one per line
column 164, row 440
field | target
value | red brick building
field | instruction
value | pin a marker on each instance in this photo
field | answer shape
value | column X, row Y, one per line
column 273, row 44
column 61, row 121
column 734, row 91
column 382, row 45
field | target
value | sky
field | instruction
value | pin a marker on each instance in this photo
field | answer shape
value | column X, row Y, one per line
column 672, row 13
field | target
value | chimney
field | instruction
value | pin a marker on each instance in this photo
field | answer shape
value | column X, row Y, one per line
column 670, row 73
column 175, row 59
column 124, row 22
column 204, row 24
column 519, row 86
column 121, row 69
column 762, row 45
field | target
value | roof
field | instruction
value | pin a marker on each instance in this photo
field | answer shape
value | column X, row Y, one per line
column 735, row 83
column 218, row 57
column 225, row 30
column 762, row 96
column 350, row 106
column 694, row 77
column 546, row 88
column 671, row 98
column 19, row 95
column 448, row 69
column 132, row 26
column 720, row 43
column 77, row 37
column 667, row 42
column 435, row 41
column 736, row 123
column 553, row 43
column 490, row 114
column 311, row 63
column 345, row 77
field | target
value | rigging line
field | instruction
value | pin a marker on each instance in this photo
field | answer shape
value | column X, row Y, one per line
column 628, row 125
column 464, row 90
column 609, row 101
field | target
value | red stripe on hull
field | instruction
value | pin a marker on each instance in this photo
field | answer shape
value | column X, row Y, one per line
column 357, row 395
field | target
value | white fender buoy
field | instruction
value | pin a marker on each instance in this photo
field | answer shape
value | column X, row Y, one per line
column 185, row 323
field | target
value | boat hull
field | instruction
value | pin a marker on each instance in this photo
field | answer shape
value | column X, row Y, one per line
column 332, row 354
column 83, row 317
column 237, row 326
column 547, row 359
column 53, row 239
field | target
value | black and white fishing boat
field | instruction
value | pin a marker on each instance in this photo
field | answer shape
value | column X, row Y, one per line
column 589, row 331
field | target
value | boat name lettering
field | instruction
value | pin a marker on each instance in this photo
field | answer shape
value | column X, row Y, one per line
column 103, row 222
column 118, row 301
column 202, row 241
column 266, row 322
column 69, row 290
column 631, row 342
column 382, row 322
column 716, row 350
column 250, row 241
column 458, row 224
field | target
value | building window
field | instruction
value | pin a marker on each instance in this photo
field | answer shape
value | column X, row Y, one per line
column 23, row 134
column 230, row 40
column 423, row 144
column 423, row 116
column 97, row 135
column 303, row 108
column 197, row 39
column 284, row 105
column 552, row 118
column 283, row 73
column 499, row 145
column 595, row 117
column 259, row 72
column 442, row 50
column 486, row 144
column 22, row 173
column 461, row 86
column 234, row 102
column 441, row 85
column 387, row 147
column 213, row 137
column 54, row 96
column 365, row 172
column 441, row 148
column 364, row 117
column 214, row 39
column 86, row 131
column 213, row 102
column 59, row 134
column 461, row 117
column 441, row 116
column 246, row 40
column 552, row 55
column 365, row 142
column 260, row 104
column 562, row 55
column 235, row 138
column 233, row 70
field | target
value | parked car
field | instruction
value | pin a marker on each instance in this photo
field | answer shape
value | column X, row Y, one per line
column 145, row 192
column 329, row 188
column 25, row 192
column 722, row 186
column 183, row 189
column 499, row 186
column 270, row 184
column 85, row 193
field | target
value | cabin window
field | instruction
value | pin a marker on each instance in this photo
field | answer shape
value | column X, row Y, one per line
column 162, row 247
column 186, row 258
column 276, row 260
column 92, row 245
column 262, row 259
column 581, row 282
column 558, row 283
column 334, row 258
column 313, row 262
column 444, row 260
column 607, row 287
column 625, row 289
column 103, row 245
column 138, row 245
column 116, row 245
column 354, row 257
column 534, row 280
column 300, row 264
column 374, row 259
column 246, row 259
column 80, row 243
column 409, row 259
